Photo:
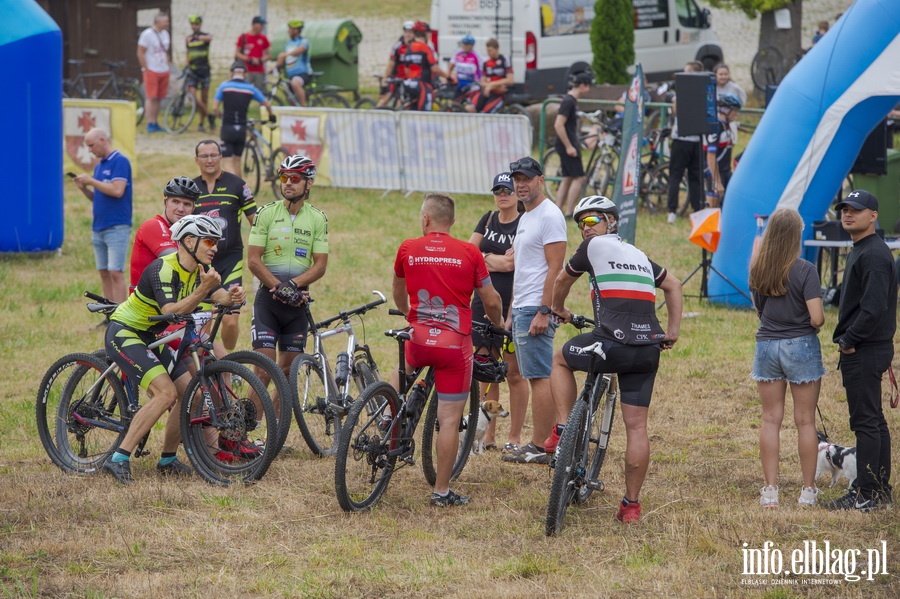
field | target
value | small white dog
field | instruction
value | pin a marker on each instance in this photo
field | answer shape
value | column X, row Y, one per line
column 490, row 409
column 836, row 459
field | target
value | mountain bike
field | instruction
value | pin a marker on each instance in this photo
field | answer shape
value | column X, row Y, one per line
column 602, row 161
column 85, row 405
column 655, row 174
column 379, row 431
column 317, row 94
column 582, row 448
column 180, row 109
column 114, row 88
column 321, row 395
column 261, row 161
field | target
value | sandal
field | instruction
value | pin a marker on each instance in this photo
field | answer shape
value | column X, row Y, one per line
column 509, row 448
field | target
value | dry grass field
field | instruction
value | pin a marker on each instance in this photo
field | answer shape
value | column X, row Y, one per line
column 68, row 536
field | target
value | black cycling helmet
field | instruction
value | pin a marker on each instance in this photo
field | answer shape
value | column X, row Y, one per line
column 730, row 101
column 198, row 225
column 487, row 369
column 298, row 163
column 239, row 65
column 600, row 204
column 182, row 187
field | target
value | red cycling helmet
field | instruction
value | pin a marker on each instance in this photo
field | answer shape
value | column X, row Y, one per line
column 421, row 27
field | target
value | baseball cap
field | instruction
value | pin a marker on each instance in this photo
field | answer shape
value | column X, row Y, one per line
column 859, row 199
column 258, row 19
column 503, row 180
column 528, row 166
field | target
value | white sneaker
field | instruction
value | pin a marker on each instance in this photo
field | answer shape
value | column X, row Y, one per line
column 672, row 218
column 768, row 496
column 808, row 496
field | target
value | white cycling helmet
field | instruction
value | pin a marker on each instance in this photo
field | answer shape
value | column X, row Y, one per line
column 198, row 225
column 600, row 204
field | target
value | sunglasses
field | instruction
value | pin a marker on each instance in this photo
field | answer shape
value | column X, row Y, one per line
column 589, row 221
column 209, row 242
column 292, row 178
column 502, row 191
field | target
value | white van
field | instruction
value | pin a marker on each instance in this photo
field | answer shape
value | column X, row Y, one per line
column 543, row 38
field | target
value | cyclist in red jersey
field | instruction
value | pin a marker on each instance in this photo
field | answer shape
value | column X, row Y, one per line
column 434, row 276
column 153, row 239
column 394, row 67
column 497, row 76
column 421, row 67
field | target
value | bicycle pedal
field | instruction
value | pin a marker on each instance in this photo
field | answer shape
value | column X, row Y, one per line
column 595, row 485
column 409, row 459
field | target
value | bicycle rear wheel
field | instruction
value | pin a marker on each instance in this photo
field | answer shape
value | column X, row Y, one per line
column 329, row 100
column 598, row 437
column 552, row 166
column 319, row 420
column 363, row 466
column 81, row 412
column 655, row 188
column 130, row 91
column 467, row 428
column 180, row 112
column 568, row 471
column 225, row 432
column 603, row 178
column 365, row 104
column 250, row 167
column 767, row 68
column 277, row 387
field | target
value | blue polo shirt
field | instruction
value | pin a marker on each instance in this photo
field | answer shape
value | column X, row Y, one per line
column 110, row 211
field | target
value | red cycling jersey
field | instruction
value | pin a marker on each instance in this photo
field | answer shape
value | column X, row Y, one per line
column 441, row 273
column 152, row 239
column 417, row 58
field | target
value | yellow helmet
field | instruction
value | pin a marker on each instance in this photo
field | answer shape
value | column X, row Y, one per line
column 296, row 24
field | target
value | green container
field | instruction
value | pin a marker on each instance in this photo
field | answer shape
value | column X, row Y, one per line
column 334, row 50
column 887, row 189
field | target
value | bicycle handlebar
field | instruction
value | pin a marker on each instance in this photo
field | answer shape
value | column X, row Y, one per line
column 345, row 314
column 97, row 298
column 219, row 309
column 491, row 328
column 395, row 312
column 580, row 321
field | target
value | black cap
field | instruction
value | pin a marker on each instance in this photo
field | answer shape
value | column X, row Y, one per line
column 503, row 180
column 528, row 166
column 859, row 199
column 258, row 19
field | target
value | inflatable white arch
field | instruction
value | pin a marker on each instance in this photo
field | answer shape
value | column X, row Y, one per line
column 811, row 133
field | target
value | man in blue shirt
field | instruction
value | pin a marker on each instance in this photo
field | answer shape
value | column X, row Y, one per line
column 234, row 96
column 295, row 60
column 111, row 195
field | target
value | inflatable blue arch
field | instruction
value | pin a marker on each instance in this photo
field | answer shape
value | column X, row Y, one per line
column 31, row 54
column 811, row 133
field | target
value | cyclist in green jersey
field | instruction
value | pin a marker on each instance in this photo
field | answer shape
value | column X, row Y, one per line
column 288, row 250
column 197, row 44
column 173, row 284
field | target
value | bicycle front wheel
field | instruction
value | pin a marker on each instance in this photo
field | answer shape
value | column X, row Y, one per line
column 603, row 178
column 365, row 104
column 180, row 112
column 250, row 167
column 655, row 188
column 329, row 100
column 82, row 413
column 568, row 471
column 598, row 437
column 467, row 428
column 228, row 424
column 552, row 165
column 364, row 464
column 319, row 420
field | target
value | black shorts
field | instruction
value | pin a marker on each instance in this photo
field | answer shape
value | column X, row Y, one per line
column 233, row 139
column 304, row 78
column 275, row 323
column 570, row 167
column 200, row 78
column 128, row 349
column 636, row 365
column 231, row 268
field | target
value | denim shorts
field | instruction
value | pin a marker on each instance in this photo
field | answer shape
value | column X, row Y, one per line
column 111, row 247
column 799, row 360
column 535, row 354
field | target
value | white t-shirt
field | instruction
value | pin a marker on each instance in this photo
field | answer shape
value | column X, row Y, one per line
column 538, row 227
column 157, row 45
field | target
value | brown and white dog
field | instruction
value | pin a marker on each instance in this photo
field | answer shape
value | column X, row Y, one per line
column 490, row 409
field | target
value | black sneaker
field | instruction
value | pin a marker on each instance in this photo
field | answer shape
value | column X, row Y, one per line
column 847, row 502
column 175, row 468
column 121, row 471
column 449, row 499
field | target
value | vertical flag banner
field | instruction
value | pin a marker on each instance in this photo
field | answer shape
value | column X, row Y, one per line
column 628, row 179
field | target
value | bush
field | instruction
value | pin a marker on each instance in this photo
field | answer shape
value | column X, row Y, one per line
column 612, row 40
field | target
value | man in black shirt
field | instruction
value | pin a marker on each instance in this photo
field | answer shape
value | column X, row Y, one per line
column 867, row 321
column 197, row 44
column 567, row 145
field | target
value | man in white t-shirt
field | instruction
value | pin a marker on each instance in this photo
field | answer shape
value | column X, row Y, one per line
column 539, row 251
column 153, row 54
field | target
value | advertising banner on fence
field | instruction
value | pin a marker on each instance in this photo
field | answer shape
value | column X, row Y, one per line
column 80, row 116
column 628, row 179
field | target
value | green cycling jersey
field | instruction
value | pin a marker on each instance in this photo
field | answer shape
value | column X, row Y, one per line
column 289, row 242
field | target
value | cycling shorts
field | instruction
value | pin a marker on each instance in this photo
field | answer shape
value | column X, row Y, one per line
column 275, row 323
column 452, row 368
column 231, row 268
column 233, row 140
column 636, row 365
column 489, row 103
column 304, row 78
column 200, row 78
column 128, row 349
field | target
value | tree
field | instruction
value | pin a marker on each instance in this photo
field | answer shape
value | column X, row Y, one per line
column 612, row 40
column 786, row 41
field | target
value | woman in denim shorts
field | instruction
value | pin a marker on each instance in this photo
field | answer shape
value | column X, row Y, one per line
column 788, row 299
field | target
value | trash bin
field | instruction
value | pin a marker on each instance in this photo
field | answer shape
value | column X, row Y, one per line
column 334, row 50
column 887, row 189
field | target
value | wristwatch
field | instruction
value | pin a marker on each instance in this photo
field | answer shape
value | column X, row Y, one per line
column 545, row 310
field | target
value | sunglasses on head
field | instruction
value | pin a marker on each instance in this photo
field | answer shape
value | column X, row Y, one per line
column 292, row 178
column 523, row 164
column 590, row 221
column 502, row 191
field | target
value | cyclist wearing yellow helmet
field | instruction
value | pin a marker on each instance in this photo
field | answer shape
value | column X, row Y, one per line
column 198, row 62
column 295, row 60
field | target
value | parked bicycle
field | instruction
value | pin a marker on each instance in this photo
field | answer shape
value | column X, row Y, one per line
column 180, row 109
column 602, row 161
column 582, row 448
column 317, row 94
column 260, row 162
column 85, row 405
column 380, row 428
column 322, row 392
column 655, row 174
column 115, row 87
